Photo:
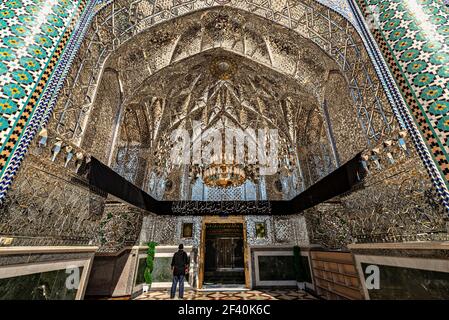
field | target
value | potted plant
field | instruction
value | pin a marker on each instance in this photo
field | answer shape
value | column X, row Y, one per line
column 300, row 270
column 149, row 267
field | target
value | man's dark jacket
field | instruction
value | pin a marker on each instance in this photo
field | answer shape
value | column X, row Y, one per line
column 179, row 263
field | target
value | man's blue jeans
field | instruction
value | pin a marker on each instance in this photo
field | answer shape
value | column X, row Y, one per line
column 177, row 279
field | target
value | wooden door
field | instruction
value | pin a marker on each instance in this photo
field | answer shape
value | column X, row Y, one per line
column 225, row 253
column 246, row 255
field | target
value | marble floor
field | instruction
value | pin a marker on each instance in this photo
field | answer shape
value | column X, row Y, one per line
column 278, row 294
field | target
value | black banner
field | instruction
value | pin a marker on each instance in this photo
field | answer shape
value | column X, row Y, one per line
column 342, row 180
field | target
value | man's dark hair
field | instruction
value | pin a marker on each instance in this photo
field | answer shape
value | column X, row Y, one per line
column 181, row 246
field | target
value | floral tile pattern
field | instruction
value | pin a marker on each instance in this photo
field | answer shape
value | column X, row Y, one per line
column 414, row 38
column 31, row 32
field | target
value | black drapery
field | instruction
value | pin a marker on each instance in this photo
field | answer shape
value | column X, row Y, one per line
column 109, row 181
column 338, row 182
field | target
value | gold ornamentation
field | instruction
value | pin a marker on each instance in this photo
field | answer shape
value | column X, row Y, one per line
column 222, row 68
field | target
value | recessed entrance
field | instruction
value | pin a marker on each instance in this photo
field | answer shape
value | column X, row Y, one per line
column 224, row 254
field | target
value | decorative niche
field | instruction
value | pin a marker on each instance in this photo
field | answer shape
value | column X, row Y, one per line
column 187, row 230
column 261, row 230
column 277, row 186
column 169, row 186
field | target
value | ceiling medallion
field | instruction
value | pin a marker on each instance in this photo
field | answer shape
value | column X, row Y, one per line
column 222, row 68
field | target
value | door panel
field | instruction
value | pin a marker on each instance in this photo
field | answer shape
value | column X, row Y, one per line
column 224, row 253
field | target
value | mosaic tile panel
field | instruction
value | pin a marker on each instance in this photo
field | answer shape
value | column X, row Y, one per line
column 196, row 236
column 414, row 37
column 33, row 34
column 251, row 234
column 376, row 46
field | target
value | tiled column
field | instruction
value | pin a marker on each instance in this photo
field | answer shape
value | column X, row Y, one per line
column 413, row 36
column 33, row 37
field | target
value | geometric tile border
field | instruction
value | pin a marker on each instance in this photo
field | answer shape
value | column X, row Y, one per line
column 35, row 105
column 417, row 54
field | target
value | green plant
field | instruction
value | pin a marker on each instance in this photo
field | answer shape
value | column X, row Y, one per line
column 150, row 263
column 300, row 270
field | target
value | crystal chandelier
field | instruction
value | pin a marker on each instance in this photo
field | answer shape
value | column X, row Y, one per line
column 225, row 174
column 223, row 170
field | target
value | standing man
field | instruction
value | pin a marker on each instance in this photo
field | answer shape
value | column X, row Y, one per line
column 179, row 267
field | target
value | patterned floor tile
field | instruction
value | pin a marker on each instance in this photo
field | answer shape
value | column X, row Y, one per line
column 288, row 294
